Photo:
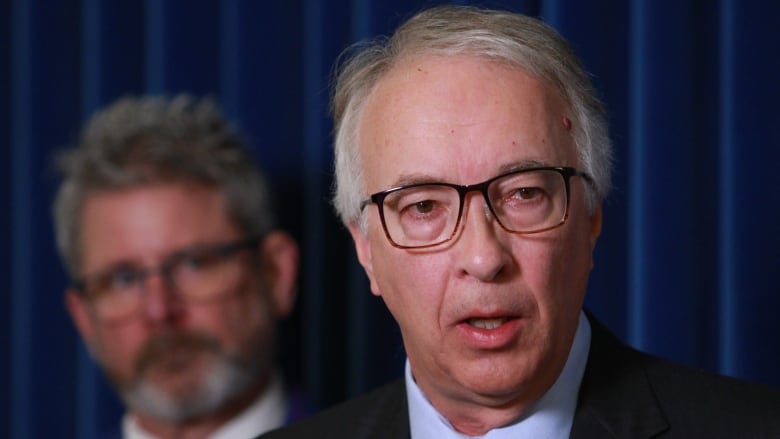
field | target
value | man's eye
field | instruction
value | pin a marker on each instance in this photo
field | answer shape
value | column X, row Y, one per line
column 421, row 201
column 423, row 207
column 122, row 279
column 527, row 193
column 199, row 261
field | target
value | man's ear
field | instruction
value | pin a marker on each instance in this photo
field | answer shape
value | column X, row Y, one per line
column 77, row 308
column 595, row 229
column 279, row 258
column 595, row 226
column 363, row 249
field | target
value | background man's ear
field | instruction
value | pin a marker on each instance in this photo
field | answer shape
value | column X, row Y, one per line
column 77, row 308
column 279, row 258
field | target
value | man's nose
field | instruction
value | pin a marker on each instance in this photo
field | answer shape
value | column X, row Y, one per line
column 161, row 303
column 483, row 255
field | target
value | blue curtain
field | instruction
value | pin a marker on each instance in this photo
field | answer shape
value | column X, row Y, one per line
column 685, row 267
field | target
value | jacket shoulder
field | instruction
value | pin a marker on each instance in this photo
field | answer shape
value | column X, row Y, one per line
column 628, row 393
column 380, row 413
column 696, row 399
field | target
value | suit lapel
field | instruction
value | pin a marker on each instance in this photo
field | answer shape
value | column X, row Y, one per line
column 388, row 416
column 616, row 399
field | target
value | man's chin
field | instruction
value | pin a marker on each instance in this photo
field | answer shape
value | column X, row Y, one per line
column 180, row 385
column 178, row 377
column 180, row 394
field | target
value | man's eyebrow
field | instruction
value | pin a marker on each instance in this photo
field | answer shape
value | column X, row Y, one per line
column 422, row 178
column 522, row 165
column 409, row 179
column 110, row 269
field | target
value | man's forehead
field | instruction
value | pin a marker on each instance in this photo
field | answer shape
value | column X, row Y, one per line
column 433, row 84
column 152, row 218
column 434, row 115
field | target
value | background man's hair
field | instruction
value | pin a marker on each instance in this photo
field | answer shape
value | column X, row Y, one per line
column 146, row 140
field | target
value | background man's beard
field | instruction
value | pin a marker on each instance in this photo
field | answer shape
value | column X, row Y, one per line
column 222, row 379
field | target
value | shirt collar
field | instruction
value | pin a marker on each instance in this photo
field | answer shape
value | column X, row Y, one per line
column 266, row 413
column 550, row 417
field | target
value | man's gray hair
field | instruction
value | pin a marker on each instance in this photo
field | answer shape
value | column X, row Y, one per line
column 512, row 39
column 146, row 140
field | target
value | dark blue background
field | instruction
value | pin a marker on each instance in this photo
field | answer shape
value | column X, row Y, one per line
column 686, row 267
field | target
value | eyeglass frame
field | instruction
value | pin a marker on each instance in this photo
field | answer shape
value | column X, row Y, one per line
column 165, row 269
column 566, row 173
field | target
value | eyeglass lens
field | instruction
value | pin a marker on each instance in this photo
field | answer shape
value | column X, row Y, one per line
column 195, row 275
column 523, row 202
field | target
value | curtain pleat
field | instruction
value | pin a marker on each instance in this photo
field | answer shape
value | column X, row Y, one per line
column 727, row 284
column 19, row 304
column 749, row 240
column 685, row 268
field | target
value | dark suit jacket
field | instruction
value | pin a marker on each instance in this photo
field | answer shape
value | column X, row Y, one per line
column 624, row 394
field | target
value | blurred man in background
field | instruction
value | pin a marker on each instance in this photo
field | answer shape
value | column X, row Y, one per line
column 166, row 227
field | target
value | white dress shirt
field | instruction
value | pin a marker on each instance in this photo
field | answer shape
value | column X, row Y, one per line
column 269, row 411
column 550, row 417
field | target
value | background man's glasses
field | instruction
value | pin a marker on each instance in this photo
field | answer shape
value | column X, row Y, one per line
column 196, row 274
column 427, row 214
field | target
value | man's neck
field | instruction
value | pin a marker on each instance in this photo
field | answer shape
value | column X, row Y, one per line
column 480, row 414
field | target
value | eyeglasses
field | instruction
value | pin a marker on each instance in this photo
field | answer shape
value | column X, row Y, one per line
column 428, row 214
column 197, row 274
